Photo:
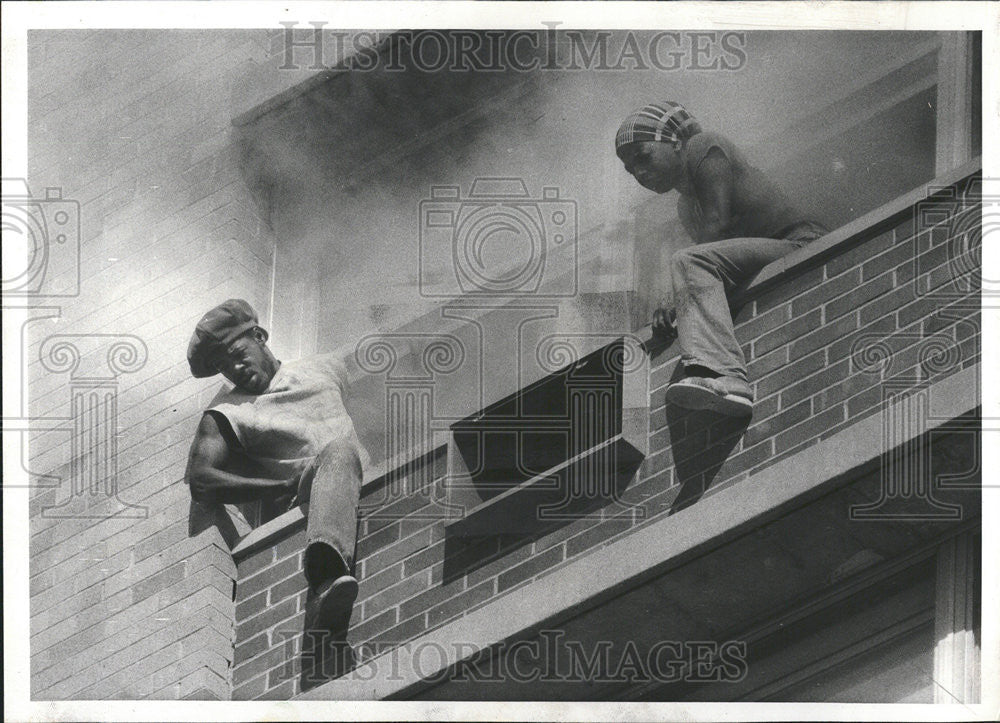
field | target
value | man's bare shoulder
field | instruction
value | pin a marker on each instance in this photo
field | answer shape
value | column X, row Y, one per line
column 208, row 427
column 698, row 146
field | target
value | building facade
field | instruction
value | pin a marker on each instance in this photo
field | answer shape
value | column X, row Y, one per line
column 536, row 523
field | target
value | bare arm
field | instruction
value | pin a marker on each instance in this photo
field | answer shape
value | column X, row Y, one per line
column 705, row 218
column 210, row 482
column 714, row 189
column 690, row 216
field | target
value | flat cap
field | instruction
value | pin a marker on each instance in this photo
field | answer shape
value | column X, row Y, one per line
column 218, row 328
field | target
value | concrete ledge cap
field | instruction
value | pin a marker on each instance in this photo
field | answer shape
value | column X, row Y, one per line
column 268, row 532
column 650, row 550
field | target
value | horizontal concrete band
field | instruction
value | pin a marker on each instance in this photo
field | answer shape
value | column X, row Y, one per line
column 610, row 570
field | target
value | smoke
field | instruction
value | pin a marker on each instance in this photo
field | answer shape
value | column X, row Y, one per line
column 342, row 168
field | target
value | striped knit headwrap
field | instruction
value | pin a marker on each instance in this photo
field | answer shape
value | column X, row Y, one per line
column 667, row 122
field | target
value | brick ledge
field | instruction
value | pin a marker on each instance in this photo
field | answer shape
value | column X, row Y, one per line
column 608, row 571
column 860, row 229
column 265, row 534
column 278, row 527
column 839, row 240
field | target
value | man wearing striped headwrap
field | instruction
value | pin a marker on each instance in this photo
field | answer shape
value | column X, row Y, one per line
column 739, row 222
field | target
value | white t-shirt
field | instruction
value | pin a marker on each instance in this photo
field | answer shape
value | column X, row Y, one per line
column 282, row 429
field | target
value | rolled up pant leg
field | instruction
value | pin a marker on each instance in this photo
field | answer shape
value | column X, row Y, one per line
column 331, row 486
column 703, row 276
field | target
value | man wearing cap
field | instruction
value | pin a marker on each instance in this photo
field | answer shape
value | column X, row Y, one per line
column 739, row 222
column 281, row 432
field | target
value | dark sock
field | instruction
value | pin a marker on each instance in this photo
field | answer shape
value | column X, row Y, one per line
column 696, row 370
column 323, row 563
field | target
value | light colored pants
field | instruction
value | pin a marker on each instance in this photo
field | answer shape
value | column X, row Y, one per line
column 704, row 276
column 331, row 486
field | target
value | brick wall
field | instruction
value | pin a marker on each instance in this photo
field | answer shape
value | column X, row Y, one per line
column 893, row 313
column 890, row 311
column 131, row 594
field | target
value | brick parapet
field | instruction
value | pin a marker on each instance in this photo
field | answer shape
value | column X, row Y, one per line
column 145, row 606
column 826, row 340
